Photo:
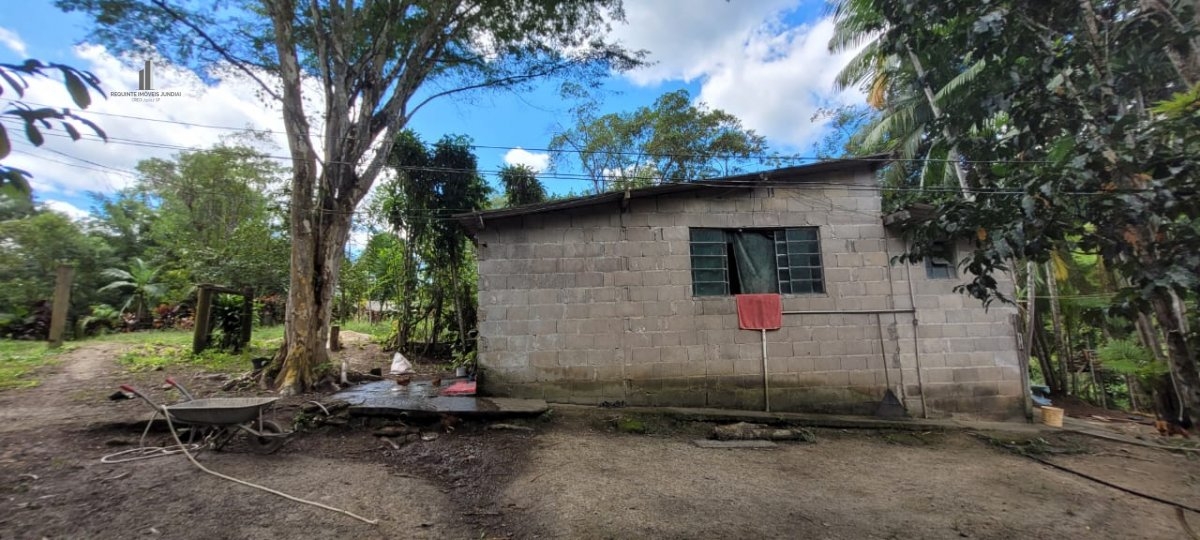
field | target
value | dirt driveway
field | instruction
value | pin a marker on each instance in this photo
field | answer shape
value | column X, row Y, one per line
column 573, row 476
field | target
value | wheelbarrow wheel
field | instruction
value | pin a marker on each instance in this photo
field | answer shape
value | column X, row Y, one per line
column 269, row 444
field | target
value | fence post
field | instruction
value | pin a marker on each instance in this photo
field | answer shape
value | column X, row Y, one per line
column 247, row 314
column 203, row 315
column 61, row 304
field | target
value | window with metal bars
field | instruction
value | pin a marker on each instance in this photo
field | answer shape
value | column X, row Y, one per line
column 743, row 261
column 940, row 264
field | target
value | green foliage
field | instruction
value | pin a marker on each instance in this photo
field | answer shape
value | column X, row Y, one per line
column 228, row 322
column 844, row 123
column 216, row 219
column 672, row 141
column 103, row 318
column 36, row 242
column 1076, row 154
column 521, row 185
column 141, row 283
column 172, row 348
column 1129, row 358
column 432, row 183
column 20, row 360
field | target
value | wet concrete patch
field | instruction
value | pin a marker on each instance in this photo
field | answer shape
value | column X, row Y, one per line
column 387, row 398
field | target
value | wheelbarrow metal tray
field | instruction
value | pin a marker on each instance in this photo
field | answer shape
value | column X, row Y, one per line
column 219, row 411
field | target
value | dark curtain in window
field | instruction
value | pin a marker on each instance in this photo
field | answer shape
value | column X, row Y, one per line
column 754, row 255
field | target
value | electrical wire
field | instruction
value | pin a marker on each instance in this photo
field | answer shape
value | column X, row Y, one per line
column 576, row 151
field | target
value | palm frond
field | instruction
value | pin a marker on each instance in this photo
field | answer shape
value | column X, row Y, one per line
column 960, row 81
column 117, row 273
column 117, row 285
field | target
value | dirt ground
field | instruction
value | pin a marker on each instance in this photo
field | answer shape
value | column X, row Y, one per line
column 572, row 476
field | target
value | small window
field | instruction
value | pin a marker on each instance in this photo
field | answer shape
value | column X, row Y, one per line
column 940, row 263
column 744, row 261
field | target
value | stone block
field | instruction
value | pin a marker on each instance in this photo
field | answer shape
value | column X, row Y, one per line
column 806, row 348
column 799, row 365
column 827, row 363
column 627, row 279
column 589, row 279
column 547, row 312
column 854, row 363
column 747, row 367
column 779, row 350
column 643, row 355
column 715, row 368
column 832, row 348
column 861, row 378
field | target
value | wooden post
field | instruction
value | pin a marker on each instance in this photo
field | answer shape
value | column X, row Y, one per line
column 247, row 315
column 1133, row 404
column 62, row 304
column 203, row 316
column 335, row 343
column 1096, row 386
column 1023, row 349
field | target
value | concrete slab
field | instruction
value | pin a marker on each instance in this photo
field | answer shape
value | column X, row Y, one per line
column 709, row 443
column 386, row 398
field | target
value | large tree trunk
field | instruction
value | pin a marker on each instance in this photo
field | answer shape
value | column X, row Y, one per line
column 955, row 157
column 1053, row 380
column 1060, row 337
column 317, row 245
column 1184, row 373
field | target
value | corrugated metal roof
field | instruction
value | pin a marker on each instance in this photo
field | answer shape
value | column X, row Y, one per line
column 799, row 174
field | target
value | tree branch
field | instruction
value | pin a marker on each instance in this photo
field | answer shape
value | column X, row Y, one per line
column 220, row 49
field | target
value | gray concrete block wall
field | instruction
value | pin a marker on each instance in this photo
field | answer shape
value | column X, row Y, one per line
column 595, row 304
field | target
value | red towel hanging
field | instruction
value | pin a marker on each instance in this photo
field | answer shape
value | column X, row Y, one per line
column 759, row 311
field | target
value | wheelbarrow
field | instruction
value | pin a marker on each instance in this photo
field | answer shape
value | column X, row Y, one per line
column 218, row 420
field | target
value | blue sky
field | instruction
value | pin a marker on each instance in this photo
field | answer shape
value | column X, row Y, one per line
column 765, row 61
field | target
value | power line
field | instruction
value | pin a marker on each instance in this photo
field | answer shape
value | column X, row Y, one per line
column 60, row 162
column 610, row 178
column 761, row 157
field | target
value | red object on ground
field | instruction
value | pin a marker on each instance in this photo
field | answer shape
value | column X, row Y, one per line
column 759, row 311
column 460, row 388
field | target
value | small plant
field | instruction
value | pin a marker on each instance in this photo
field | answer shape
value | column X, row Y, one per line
column 141, row 281
column 1129, row 358
column 102, row 319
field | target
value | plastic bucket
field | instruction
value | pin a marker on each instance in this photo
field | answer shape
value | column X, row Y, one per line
column 1052, row 416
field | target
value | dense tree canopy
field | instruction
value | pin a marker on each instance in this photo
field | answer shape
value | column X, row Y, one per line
column 673, row 140
column 1072, row 126
column 521, row 185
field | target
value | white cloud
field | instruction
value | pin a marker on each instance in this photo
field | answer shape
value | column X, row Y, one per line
column 779, row 81
column 72, row 211
column 747, row 60
column 13, row 41
column 534, row 160
column 688, row 39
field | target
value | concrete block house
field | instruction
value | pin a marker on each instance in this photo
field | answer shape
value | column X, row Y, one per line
column 628, row 296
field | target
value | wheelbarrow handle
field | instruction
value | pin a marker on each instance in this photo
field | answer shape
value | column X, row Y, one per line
column 173, row 383
column 134, row 391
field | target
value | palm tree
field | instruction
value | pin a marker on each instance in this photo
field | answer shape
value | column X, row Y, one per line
column 897, row 83
column 141, row 282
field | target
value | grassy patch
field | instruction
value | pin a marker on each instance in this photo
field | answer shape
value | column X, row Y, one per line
column 20, row 359
column 159, row 350
column 379, row 331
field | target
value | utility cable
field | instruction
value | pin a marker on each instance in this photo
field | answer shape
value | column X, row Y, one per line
column 192, row 459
